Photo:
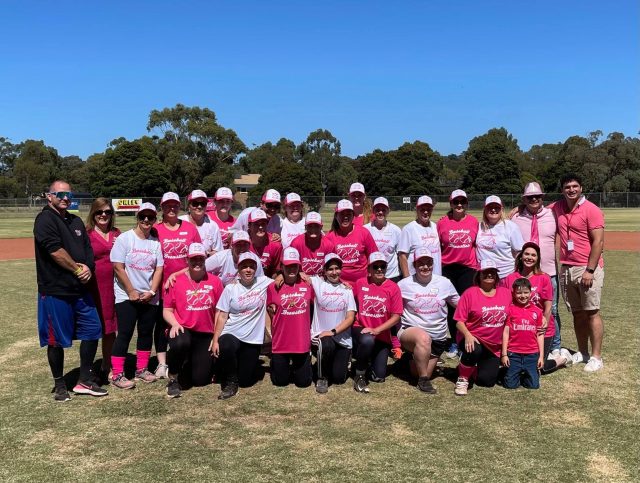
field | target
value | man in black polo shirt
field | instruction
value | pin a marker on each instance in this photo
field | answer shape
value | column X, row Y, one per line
column 66, row 311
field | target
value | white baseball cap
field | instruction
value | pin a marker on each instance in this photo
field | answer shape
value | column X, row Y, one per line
column 169, row 196
column 197, row 195
column 376, row 257
column 196, row 250
column 381, row 200
column 147, row 207
column 292, row 198
column 344, row 205
column 424, row 200
column 332, row 256
column 290, row 256
column 532, row 188
column 487, row 264
column 313, row 217
column 356, row 188
column 492, row 199
column 240, row 236
column 247, row 256
column 257, row 215
column 223, row 194
column 421, row 252
column 458, row 194
column 271, row 196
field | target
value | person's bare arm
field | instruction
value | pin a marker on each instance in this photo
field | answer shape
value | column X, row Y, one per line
column 403, row 261
column 597, row 246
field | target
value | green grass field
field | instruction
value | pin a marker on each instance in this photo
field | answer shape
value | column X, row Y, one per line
column 577, row 427
column 20, row 225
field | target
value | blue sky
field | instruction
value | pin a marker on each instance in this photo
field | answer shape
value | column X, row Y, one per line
column 375, row 73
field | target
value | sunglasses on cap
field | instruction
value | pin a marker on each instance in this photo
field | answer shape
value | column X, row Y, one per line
column 145, row 216
column 103, row 212
column 198, row 204
column 61, row 195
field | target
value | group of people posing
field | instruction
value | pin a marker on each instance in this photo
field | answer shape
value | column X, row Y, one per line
column 212, row 292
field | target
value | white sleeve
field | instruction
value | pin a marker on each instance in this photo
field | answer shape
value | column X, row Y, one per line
column 242, row 222
column 515, row 237
column 351, row 301
column 216, row 243
column 213, row 264
column 119, row 250
column 404, row 245
column 452, row 294
column 224, row 302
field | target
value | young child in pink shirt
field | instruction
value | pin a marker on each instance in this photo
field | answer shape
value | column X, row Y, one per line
column 522, row 340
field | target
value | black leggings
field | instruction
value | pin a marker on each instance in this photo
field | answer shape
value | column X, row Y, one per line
column 487, row 363
column 190, row 349
column 333, row 360
column 549, row 364
column 160, row 332
column 128, row 314
column 283, row 366
column 461, row 277
column 238, row 360
column 88, row 349
column 370, row 352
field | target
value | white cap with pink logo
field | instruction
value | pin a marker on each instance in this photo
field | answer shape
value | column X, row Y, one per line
column 197, row 195
column 313, row 218
column 240, row 236
column 488, row 265
column 147, row 207
column 381, row 200
column 377, row 257
column 196, row 250
column 421, row 252
column 292, row 198
column 271, row 196
column 356, row 188
column 224, row 194
column 169, row 196
column 247, row 256
column 424, row 200
column 493, row 199
column 290, row 256
column 344, row 205
column 257, row 215
column 457, row 194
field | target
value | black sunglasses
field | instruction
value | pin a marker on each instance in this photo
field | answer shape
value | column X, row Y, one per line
column 198, row 204
column 533, row 197
column 103, row 212
column 142, row 217
column 459, row 201
column 273, row 206
column 380, row 266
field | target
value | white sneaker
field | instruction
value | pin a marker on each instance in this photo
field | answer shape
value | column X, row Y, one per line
column 554, row 354
column 594, row 365
column 565, row 354
column 461, row 387
column 162, row 371
column 579, row 357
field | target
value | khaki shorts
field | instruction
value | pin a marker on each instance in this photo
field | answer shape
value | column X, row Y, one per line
column 574, row 294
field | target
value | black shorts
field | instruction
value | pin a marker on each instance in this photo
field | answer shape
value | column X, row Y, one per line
column 438, row 347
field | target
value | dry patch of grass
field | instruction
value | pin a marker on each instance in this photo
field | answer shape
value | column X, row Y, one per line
column 605, row 468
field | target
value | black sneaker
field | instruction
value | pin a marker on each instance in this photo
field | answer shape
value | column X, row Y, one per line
column 61, row 394
column 173, row 388
column 425, row 385
column 228, row 391
column 90, row 388
column 360, row 384
column 322, row 386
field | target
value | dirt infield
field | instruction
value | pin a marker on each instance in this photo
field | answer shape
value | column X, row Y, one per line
column 21, row 248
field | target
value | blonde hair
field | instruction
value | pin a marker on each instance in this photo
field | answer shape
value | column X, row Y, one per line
column 95, row 206
column 484, row 224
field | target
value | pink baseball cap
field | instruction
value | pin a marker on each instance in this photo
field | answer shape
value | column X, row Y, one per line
column 376, row 257
column 223, row 194
column 312, row 218
column 197, row 195
column 292, row 198
column 532, row 188
column 169, row 196
column 424, row 200
column 332, row 256
column 344, row 205
column 196, row 250
column 492, row 199
column 240, row 236
column 257, row 215
column 271, row 196
column 421, row 252
column 147, row 207
column 356, row 188
column 290, row 256
column 247, row 256
column 487, row 265
column 458, row 194
column 381, row 200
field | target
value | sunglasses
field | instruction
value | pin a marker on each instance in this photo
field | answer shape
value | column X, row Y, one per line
column 273, row 206
column 61, row 195
column 459, row 201
column 489, row 275
column 533, row 197
column 198, row 204
column 103, row 212
column 143, row 217
column 381, row 267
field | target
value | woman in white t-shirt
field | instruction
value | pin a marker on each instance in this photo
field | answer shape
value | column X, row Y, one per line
column 423, row 329
column 333, row 315
column 293, row 222
column 240, row 327
column 137, row 263
column 498, row 239
column 422, row 232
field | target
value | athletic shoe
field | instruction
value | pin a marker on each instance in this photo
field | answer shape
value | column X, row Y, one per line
column 145, row 375
column 567, row 356
column 396, row 353
column 162, row 371
column 322, row 386
column 228, row 391
column 173, row 388
column 424, row 384
column 61, row 394
column 579, row 357
column 594, row 364
column 452, row 351
column 122, row 382
column 462, row 385
column 90, row 388
column 360, row 384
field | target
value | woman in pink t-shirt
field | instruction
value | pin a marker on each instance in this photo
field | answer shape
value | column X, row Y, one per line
column 189, row 310
column 480, row 316
column 353, row 243
column 289, row 307
column 457, row 231
column 528, row 266
column 102, row 235
column 312, row 245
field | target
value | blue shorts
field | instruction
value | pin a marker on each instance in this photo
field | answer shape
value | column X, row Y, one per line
column 63, row 319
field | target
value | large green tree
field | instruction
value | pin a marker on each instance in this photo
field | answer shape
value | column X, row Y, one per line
column 320, row 155
column 36, row 166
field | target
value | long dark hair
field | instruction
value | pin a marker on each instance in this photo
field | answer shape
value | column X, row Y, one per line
column 520, row 266
column 95, row 206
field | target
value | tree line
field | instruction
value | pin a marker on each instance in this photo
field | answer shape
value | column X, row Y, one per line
column 187, row 148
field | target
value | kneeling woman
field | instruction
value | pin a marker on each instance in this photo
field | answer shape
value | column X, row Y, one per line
column 423, row 329
column 290, row 309
column 334, row 311
column 240, row 324
column 189, row 309
column 379, row 309
column 480, row 319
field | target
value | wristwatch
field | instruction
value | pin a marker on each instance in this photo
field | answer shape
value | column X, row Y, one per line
column 334, row 331
column 589, row 270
